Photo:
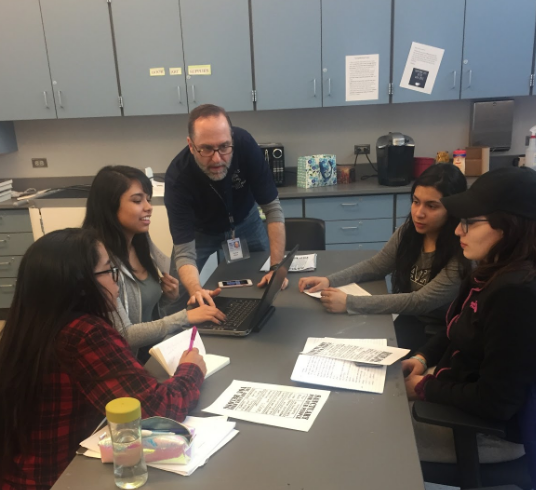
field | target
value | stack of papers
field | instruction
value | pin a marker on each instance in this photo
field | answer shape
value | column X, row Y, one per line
column 6, row 186
column 301, row 263
column 352, row 289
column 211, row 434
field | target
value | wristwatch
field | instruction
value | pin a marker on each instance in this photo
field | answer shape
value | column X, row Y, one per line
column 274, row 267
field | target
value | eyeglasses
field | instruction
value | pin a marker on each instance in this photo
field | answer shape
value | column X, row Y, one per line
column 208, row 152
column 469, row 221
column 114, row 271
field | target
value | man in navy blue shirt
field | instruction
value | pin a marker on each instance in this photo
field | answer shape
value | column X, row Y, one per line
column 213, row 187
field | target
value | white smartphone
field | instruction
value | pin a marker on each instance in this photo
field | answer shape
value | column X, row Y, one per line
column 236, row 283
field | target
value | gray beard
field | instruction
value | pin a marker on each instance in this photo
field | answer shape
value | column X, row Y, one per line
column 211, row 176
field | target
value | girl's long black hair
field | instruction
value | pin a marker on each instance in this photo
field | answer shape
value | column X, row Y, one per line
column 446, row 179
column 103, row 203
column 55, row 284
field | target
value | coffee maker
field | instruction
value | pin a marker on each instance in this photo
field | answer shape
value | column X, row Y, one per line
column 394, row 153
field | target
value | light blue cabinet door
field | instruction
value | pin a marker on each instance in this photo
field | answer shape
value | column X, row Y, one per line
column 349, row 28
column 81, row 56
column 292, row 208
column 216, row 33
column 148, row 43
column 498, row 48
column 437, row 24
column 287, row 53
column 25, row 86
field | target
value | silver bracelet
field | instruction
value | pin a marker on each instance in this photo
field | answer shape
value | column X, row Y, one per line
column 422, row 361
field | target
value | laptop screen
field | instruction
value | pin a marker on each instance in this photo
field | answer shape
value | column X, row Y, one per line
column 278, row 277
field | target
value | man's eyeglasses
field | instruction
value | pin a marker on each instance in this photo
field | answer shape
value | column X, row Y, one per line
column 114, row 271
column 465, row 223
column 208, row 152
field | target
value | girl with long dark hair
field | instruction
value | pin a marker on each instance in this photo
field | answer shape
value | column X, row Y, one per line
column 486, row 359
column 423, row 257
column 119, row 210
column 61, row 362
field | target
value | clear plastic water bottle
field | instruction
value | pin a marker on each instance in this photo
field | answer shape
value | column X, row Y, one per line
column 124, row 420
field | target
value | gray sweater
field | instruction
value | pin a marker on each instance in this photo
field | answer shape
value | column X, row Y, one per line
column 429, row 300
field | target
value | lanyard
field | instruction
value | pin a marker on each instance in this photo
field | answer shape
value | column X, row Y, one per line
column 228, row 207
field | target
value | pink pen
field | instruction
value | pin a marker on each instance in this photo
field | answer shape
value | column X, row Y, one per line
column 192, row 338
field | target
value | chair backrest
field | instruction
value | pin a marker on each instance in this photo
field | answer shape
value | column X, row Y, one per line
column 527, row 419
column 308, row 233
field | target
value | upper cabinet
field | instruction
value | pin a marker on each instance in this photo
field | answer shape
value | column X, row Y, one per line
column 81, row 57
column 217, row 53
column 498, row 48
column 149, row 56
column 287, row 53
column 356, row 51
column 436, row 24
column 25, row 86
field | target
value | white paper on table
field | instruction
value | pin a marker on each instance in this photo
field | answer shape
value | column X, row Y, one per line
column 352, row 289
column 300, row 263
column 357, row 351
column 281, row 406
column 339, row 374
column 362, row 77
column 421, row 68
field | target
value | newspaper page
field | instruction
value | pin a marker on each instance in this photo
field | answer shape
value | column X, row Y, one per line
column 282, row 406
column 357, row 351
column 339, row 374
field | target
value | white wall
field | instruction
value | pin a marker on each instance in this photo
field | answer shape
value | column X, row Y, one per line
column 77, row 147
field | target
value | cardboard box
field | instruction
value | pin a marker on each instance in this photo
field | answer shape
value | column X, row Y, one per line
column 317, row 171
column 476, row 160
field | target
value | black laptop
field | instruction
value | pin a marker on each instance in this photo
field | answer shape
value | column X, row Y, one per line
column 246, row 315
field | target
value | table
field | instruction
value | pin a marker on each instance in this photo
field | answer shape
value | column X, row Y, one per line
column 359, row 440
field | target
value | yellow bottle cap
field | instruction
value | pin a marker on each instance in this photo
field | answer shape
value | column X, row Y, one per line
column 123, row 410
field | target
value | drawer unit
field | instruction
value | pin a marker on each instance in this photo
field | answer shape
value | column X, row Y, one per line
column 7, row 288
column 356, row 246
column 9, row 266
column 15, row 243
column 353, row 231
column 403, row 205
column 292, row 208
column 15, row 221
column 351, row 208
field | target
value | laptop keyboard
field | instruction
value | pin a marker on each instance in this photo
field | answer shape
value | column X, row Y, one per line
column 237, row 311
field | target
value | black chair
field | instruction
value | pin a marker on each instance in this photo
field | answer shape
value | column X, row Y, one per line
column 308, row 233
column 468, row 473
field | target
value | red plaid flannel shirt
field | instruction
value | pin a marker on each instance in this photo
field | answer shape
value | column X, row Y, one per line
column 97, row 366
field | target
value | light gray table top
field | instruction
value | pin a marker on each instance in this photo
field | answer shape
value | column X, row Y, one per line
column 359, row 440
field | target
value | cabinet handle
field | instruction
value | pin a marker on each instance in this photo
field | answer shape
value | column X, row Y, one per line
column 329, row 87
column 46, row 99
column 3, row 241
column 5, row 263
column 454, row 79
column 193, row 92
column 59, row 98
column 348, row 204
column 314, row 87
column 7, row 285
column 179, row 94
column 470, row 78
column 349, row 227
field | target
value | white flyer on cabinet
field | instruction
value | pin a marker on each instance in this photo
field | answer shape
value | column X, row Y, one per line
column 421, row 68
column 281, row 406
column 362, row 77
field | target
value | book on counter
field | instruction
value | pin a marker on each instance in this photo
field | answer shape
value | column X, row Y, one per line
column 6, row 186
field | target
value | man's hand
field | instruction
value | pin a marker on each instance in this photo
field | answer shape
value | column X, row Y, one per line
column 266, row 279
column 194, row 357
column 170, row 286
column 204, row 296
column 205, row 313
column 334, row 300
column 313, row 284
column 411, row 381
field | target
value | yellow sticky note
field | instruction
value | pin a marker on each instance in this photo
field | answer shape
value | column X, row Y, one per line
column 199, row 70
column 175, row 71
column 157, row 72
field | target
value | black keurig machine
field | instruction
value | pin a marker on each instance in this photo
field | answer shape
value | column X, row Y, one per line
column 394, row 153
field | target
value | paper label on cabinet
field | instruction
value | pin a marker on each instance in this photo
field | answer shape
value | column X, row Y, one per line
column 362, row 77
column 421, row 68
column 157, row 72
column 199, row 70
column 175, row 71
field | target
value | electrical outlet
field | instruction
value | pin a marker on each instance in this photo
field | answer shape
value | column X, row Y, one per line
column 361, row 149
column 39, row 162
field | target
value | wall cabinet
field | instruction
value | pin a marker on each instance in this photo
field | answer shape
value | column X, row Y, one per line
column 498, row 48
column 217, row 53
column 149, row 56
column 287, row 52
column 354, row 27
column 81, row 58
column 26, row 88
column 437, row 24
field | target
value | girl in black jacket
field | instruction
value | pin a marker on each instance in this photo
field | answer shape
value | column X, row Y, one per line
column 486, row 360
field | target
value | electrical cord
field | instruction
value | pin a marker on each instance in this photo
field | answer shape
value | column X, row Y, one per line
column 365, row 177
